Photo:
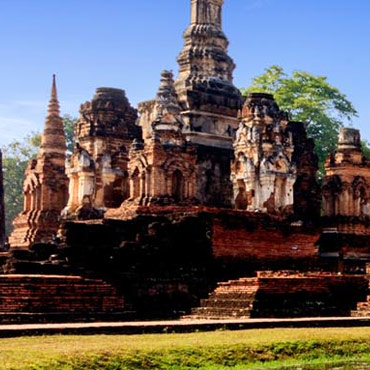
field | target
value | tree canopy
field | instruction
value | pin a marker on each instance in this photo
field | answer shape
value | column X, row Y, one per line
column 310, row 99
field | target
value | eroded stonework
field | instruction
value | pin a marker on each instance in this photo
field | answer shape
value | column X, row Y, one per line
column 150, row 198
column 2, row 209
column 162, row 169
column 206, row 92
column 46, row 185
column 346, row 187
column 97, row 169
column 263, row 171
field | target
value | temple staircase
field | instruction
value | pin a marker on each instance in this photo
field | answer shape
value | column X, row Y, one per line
column 363, row 308
column 284, row 294
column 231, row 299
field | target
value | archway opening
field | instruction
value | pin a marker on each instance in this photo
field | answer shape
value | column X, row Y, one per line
column 178, row 185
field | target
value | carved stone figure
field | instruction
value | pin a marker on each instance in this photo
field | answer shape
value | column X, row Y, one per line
column 263, row 172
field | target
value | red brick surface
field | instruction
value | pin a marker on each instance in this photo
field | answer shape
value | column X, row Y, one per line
column 58, row 294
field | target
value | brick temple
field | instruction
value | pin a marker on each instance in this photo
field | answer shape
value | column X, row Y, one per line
column 2, row 210
column 200, row 203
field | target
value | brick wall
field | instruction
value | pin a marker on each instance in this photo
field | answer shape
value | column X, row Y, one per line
column 57, row 294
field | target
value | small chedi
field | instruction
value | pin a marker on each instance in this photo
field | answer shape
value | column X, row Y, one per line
column 162, row 168
column 347, row 181
column 45, row 186
column 345, row 204
column 263, row 170
column 274, row 167
column 98, row 167
column 201, row 202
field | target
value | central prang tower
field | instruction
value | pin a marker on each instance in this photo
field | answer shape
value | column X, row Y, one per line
column 204, row 86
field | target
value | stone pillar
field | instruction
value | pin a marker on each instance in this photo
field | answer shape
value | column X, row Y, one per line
column 2, row 209
column 206, row 12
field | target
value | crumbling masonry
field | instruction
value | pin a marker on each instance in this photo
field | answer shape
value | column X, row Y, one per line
column 198, row 193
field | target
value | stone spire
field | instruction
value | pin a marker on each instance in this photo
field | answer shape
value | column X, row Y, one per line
column 204, row 56
column 205, row 89
column 53, row 138
column 45, row 186
column 167, row 107
column 206, row 12
column 2, row 211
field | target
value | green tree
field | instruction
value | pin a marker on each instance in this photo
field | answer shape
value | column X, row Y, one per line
column 309, row 99
column 366, row 148
column 16, row 157
column 69, row 125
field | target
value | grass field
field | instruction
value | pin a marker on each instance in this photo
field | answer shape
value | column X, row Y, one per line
column 346, row 348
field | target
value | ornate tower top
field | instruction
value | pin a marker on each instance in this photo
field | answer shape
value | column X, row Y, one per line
column 204, row 56
column 53, row 139
column 349, row 138
column 167, row 108
column 206, row 12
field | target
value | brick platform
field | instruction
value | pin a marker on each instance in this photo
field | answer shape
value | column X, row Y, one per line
column 283, row 295
column 41, row 298
column 363, row 308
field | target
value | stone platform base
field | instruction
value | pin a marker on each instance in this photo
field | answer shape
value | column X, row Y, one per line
column 177, row 326
column 363, row 308
column 283, row 294
column 42, row 298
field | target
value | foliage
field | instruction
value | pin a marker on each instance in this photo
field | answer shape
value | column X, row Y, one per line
column 16, row 156
column 309, row 99
column 69, row 124
column 366, row 148
column 252, row 349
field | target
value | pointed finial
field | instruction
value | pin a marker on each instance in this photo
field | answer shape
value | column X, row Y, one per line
column 53, row 108
column 53, row 140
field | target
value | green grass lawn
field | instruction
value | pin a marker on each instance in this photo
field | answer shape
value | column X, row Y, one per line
column 249, row 349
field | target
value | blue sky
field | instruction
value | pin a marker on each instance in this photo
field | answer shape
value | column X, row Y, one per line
column 126, row 44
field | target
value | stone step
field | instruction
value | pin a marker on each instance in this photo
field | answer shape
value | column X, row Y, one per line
column 63, row 317
column 287, row 295
column 217, row 312
column 219, row 302
column 200, row 317
column 232, row 295
column 362, row 313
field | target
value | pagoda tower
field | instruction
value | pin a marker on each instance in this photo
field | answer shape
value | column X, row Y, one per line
column 45, row 186
column 162, row 168
column 204, row 86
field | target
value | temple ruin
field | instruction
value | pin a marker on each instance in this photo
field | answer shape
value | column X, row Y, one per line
column 46, row 184
column 162, row 167
column 98, row 167
column 347, row 181
column 2, row 209
column 263, row 171
column 201, row 202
